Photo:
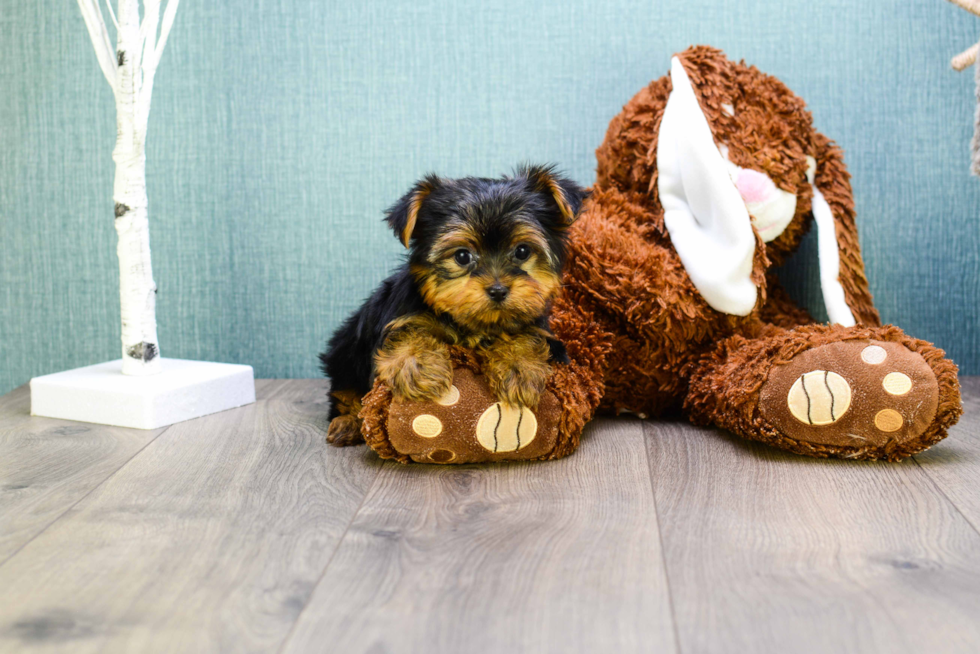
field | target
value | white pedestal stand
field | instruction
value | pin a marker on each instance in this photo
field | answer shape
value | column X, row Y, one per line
column 102, row 394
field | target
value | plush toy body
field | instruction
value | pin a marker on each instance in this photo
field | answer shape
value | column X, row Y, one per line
column 707, row 181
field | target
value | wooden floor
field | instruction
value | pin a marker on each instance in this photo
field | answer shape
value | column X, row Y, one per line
column 243, row 531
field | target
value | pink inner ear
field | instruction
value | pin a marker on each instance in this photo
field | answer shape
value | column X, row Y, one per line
column 754, row 186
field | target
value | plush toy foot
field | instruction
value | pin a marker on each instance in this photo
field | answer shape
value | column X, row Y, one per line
column 829, row 391
column 345, row 430
column 863, row 394
column 468, row 424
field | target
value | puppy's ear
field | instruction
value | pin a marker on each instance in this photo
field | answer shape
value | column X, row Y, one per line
column 404, row 214
column 567, row 195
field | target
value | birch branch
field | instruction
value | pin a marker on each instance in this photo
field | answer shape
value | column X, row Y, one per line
column 104, row 52
column 966, row 58
column 148, row 33
column 972, row 6
column 168, row 22
column 112, row 14
column 148, row 66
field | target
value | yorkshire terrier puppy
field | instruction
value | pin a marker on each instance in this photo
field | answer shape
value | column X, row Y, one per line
column 484, row 263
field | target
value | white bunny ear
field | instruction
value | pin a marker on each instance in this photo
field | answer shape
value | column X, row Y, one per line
column 705, row 216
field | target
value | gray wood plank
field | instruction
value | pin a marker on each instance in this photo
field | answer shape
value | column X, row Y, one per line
column 46, row 465
column 530, row 557
column 954, row 464
column 211, row 539
column 772, row 552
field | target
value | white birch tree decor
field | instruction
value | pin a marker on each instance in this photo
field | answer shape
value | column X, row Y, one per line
column 144, row 390
column 129, row 69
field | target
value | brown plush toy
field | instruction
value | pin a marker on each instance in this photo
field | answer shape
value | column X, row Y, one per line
column 707, row 181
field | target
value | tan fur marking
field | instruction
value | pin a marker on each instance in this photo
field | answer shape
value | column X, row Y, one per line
column 465, row 298
column 462, row 236
column 345, row 430
column 517, row 368
column 455, row 290
column 348, row 402
column 530, row 235
column 552, row 187
column 413, row 212
column 414, row 361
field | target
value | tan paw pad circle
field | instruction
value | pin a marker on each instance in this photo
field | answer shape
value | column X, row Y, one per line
column 442, row 456
column 504, row 428
column 427, row 426
column 889, row 420
column 874, row 354
column 819, row 397
column 896, row 383
column 450, row 398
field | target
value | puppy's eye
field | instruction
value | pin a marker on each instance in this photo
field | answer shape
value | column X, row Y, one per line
column 463, row 257
column 522, row 252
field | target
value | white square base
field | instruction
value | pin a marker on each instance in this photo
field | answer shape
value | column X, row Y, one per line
column 181, row 391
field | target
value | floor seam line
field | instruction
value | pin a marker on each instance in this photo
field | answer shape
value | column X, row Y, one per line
column 946, row 497
column 660, row 537
column 340, row 542
column 82, row 498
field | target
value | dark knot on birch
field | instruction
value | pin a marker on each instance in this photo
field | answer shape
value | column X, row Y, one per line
column 143, row 351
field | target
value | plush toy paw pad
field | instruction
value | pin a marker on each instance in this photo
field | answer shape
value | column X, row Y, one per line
column 450, row 398
column 505, row 428
column 873, row 354
column 896, row 383
column 442, row 456
column 852, row 393
column 819, row 397
column 888, row 420
column 427, row 426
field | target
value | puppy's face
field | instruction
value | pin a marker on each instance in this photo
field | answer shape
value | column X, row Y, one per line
column 489, row 252
column 489, row 265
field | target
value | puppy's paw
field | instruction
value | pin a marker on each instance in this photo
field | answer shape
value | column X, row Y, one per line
column 416, row 375
column 520, row 385
column 345, row 430
column 517, row 369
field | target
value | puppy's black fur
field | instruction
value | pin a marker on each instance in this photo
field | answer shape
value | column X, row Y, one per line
column 349, row 358
column 491, row 211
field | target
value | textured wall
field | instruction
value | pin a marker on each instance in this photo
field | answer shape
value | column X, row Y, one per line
column 280, row 131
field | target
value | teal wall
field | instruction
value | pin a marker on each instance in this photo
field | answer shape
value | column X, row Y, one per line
column 280, row 131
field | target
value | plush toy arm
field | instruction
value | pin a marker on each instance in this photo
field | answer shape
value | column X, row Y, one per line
column 833, row 182
column 640, row 281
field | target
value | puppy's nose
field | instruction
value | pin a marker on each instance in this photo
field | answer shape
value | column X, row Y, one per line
column 497, row 292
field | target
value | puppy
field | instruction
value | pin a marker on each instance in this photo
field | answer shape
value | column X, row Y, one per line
column 484, row 263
